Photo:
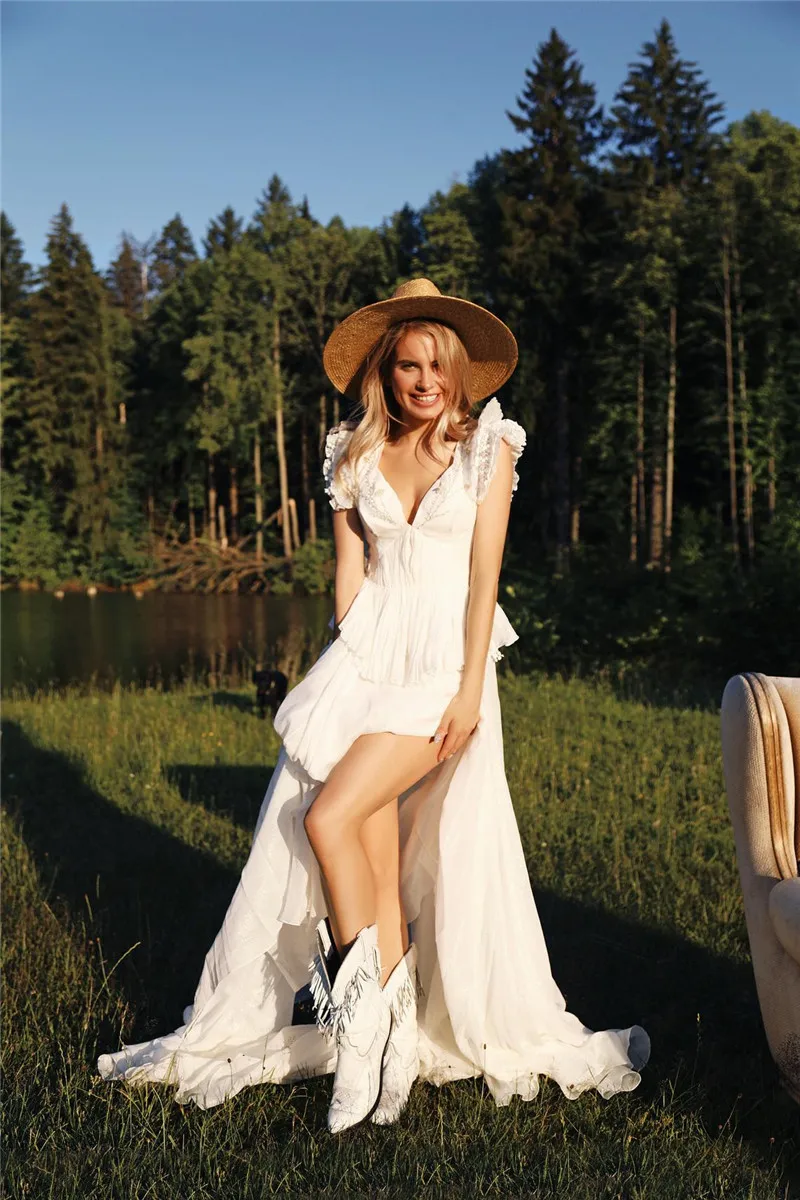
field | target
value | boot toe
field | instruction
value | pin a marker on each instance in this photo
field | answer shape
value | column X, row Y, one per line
column 344, row 1113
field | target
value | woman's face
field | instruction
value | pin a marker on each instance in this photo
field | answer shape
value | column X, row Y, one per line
column 417, row 381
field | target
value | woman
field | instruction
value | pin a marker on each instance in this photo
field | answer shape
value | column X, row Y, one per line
column 389, row 803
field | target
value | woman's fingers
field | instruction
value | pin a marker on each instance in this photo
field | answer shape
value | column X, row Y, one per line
column 453, row 742
column 447, row 742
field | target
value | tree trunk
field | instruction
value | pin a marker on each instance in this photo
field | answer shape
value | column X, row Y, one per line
column 212, row 500
column 312, row 519
column 747, row 465
column 562, row 471
column 123, row 413
column 233, row 499
column 772, row 489
column 280, row 440
column 575, row 510
column 305, row 487
column 731, row 398
column 323, row 424
column 192, row 526
column 657, row 506
column 336, row 409
column 633, row 554
column 223, row 536
column 295, row 523
column 98, row 442
column 671, row 400
column 259, row 498
column 641, row 508
column 151, row 511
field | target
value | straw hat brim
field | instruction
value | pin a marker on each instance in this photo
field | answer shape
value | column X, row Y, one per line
column 491, row 346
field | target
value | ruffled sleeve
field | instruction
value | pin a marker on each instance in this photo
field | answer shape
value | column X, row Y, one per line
column 340, row 490
column 492, row 428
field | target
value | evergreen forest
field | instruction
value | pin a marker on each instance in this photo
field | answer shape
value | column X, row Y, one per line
column 164, row 416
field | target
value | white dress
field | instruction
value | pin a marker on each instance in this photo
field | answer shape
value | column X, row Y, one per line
column 488, row 1003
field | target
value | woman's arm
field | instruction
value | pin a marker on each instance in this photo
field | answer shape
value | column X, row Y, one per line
column 348, row 537
column 488, row 543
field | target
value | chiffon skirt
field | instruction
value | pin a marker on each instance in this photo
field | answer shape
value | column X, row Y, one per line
column 488, row 1004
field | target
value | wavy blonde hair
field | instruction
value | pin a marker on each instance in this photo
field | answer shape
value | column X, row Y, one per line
column 381, row 411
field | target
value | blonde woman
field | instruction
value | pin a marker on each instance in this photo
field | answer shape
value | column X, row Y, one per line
column 389, row 810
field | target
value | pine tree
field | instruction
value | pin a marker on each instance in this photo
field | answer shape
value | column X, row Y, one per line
column 161, row 411
column 173, row 253
column 126, row 278
column 16, row 275
column 550, row 184
column 275, row 223
column 223, row 233
column 450, row 254
column 665, row 115
column 71, row 404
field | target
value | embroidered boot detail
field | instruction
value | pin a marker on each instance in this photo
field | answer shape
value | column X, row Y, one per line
column 401, row 1060
column 353, row 1009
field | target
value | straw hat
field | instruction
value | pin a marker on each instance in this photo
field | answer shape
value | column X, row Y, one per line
column 490, row 344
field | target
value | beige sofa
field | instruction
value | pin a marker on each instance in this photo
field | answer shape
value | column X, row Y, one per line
column 761, row 758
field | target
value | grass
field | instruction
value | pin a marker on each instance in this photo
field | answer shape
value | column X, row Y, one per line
column 127, row 818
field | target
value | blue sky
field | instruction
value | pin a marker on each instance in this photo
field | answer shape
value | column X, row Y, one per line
column 132, row 110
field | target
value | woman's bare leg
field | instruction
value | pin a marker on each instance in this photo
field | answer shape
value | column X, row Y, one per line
column 380, row 837
column 374, row 771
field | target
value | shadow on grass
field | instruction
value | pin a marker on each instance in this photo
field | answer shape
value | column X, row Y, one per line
column 144, row 885
column 235, row 792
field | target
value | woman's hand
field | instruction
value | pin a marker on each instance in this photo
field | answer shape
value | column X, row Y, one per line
column 459, row 720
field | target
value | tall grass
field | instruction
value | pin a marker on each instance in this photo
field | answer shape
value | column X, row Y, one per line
column 127, row 818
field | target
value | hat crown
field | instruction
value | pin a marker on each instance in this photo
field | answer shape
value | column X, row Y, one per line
column 416, row 287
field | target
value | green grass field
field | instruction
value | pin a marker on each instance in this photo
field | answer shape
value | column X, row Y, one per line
column 127, row 818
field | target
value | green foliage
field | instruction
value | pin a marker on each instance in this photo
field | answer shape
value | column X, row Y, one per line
column 312, row 566
column 32, row 551
column 695, row 627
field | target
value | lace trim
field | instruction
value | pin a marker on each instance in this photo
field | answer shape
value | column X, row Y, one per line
column 372, row 484
column 441, row 489
column 341, row 491
column 492, row 428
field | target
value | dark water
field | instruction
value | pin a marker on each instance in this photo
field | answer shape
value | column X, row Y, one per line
column 162, row 637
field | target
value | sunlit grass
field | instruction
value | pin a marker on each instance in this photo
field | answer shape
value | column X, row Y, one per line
column 128, row 816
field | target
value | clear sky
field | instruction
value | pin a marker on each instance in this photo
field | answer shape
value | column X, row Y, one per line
column 132, row 110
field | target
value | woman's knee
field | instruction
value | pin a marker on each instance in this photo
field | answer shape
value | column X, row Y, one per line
column 322, row 821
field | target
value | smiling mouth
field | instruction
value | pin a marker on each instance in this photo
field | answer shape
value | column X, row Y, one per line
column 427, row 400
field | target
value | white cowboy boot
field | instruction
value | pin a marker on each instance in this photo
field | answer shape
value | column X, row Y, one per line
column 401, row 1060
column 354, row 1009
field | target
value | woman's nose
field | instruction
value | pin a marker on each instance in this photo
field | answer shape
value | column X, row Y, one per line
column 425, row 380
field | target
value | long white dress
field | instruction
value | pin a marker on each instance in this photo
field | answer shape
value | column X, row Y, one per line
column 488, row 1003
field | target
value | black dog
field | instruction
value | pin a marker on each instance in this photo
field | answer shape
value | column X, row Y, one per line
column 270, row 690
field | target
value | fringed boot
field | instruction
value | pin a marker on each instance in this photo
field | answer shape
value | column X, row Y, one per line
column 351, row 1005
column 401, row 1061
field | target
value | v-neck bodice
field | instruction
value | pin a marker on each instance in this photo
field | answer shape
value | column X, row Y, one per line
column 408, row 619
column 433, row 487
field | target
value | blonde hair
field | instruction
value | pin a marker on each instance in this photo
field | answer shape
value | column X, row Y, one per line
column 381, row 410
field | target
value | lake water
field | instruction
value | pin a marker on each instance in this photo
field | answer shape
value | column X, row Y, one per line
column 162, row 637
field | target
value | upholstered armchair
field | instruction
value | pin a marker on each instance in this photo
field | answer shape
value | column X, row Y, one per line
column 761, row 758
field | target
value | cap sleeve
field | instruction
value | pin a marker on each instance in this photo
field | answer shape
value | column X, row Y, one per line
column 492, row 428
column 340, row 490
